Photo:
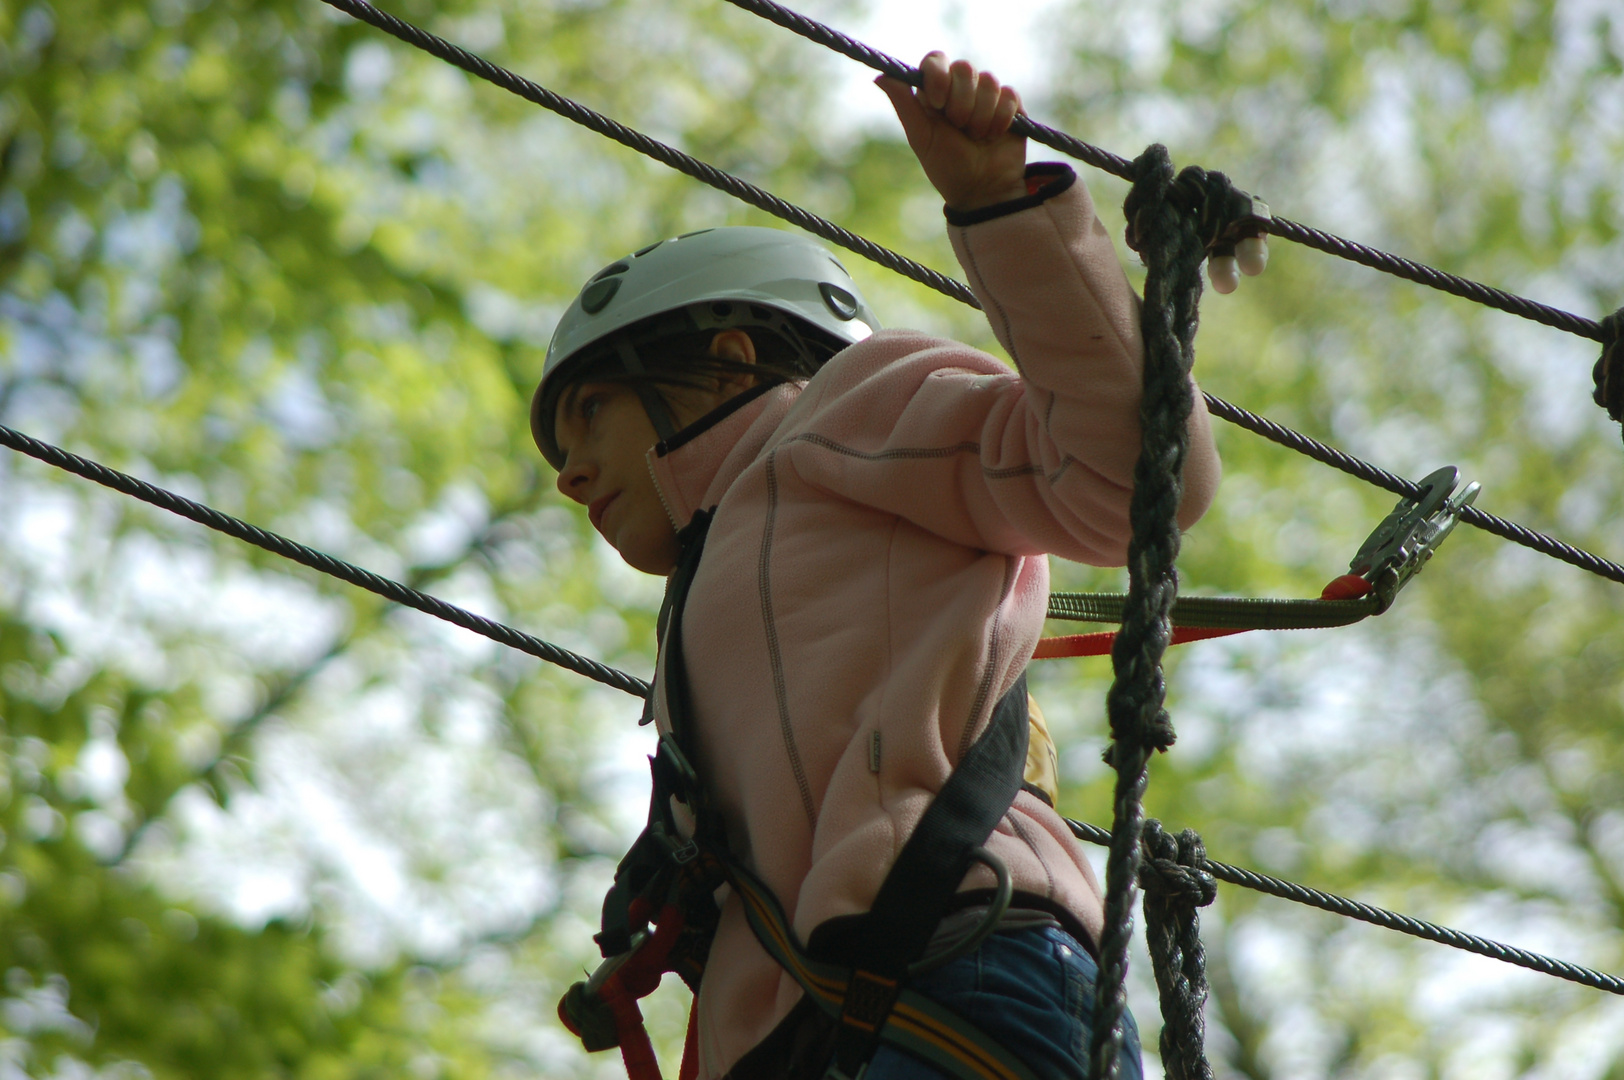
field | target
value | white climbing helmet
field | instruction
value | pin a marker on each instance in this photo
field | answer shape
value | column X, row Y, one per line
column 720, row 278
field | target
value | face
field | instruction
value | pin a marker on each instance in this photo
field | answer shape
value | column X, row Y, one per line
column 605, row 435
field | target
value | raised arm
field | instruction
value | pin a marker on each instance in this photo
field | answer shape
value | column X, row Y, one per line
column 1055, row 449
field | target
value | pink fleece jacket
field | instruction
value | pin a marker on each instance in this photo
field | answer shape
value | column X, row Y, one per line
column 878, row 562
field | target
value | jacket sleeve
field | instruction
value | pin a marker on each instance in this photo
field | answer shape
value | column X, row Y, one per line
column 1039, row 461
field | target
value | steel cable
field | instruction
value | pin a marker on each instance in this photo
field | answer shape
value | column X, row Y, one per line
column 670, row 156
column 755, row 196
column 1398, row 485
column 891, row 260
column 1375, row 259
column 1391, row 920
column 764, row 200
column 276, row 544
column 1117, row 165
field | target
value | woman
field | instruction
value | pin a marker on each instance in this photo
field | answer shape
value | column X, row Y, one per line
column 875, row 512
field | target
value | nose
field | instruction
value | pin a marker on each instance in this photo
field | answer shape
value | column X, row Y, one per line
column 575, row 476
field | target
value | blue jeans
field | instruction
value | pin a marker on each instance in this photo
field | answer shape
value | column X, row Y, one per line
column 1033, row 991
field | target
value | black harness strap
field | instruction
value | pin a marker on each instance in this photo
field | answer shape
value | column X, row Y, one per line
column 880, row 946
column 916, row 894
column 660, row 855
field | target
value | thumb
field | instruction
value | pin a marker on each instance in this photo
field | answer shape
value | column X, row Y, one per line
column 912, row 115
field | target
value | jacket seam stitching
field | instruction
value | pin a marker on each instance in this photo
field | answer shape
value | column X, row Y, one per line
column 1025, row 836
column 774, row 652
column 1003, row 316
column 1088, row 289
column 917, row 453
column 984, row 687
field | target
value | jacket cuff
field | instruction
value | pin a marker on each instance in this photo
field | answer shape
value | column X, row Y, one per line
column 1044, row 180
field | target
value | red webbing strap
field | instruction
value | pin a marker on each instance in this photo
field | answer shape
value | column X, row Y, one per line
column 635, row 1049
column 637, row 978
column 1346, row 587
column 1099, row 644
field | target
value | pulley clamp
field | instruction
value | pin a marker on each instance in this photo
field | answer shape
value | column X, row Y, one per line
column 1406, row 539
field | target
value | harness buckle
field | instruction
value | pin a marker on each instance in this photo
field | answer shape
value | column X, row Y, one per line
column 1407, row 537
column 836, row 1073
column 684, row 853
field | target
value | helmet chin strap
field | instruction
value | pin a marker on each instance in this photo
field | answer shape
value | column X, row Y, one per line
column 653, row 403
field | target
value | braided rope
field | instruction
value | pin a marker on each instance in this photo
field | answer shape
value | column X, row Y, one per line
column 1173, row 251
column 394, row 591
column 1176, row 882
column 1389, row 920
column 1138, row 704
column 1106, row 161
column 1608, row 373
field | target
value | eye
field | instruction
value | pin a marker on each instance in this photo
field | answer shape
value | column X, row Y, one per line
column 589, row 405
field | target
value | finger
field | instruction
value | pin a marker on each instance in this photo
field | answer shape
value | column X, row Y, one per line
column 1009, row 103
column 961, row 95
column 934, row 81
column 910, row 111
column 987, row 98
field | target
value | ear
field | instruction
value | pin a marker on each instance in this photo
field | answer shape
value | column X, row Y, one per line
column 734, row 345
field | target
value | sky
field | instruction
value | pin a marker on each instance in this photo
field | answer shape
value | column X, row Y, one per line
column 1004, row 37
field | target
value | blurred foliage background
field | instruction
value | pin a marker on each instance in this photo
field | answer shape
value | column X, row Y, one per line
column 257, row 824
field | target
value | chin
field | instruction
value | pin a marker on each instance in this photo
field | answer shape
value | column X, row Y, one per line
column 658, row 560
column 657, row 567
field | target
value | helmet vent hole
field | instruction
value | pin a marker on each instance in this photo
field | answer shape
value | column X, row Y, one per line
column 841, row 302
column 610, row 271
column 721, row 309
column 596, row 296
column 640, row 252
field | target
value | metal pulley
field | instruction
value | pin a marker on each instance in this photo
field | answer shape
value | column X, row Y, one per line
column 1408, row 536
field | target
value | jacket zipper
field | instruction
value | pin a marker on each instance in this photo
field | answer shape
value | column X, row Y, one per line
column 658, row 490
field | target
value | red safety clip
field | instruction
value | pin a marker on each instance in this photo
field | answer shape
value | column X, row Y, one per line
column 603, row 1011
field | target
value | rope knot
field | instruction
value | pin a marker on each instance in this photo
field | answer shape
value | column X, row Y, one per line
column 1224, row 215
column 1174, row 867
column 1609, row 370
column 1152, row 175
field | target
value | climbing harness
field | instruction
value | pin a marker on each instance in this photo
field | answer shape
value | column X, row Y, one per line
column 515, row 639
column 661, row 912
column 1393, row 554
column 855, row 968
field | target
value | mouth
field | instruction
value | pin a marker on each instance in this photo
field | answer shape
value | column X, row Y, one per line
column 595, row 511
